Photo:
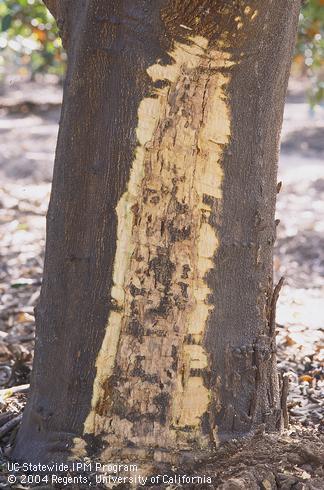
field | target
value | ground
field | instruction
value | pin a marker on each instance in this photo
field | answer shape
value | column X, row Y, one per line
column 29, row 115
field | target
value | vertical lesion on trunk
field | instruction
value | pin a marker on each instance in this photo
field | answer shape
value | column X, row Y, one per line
column 151, row 387
column 154, row 384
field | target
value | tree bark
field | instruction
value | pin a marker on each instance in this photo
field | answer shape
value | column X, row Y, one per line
column 155, row 326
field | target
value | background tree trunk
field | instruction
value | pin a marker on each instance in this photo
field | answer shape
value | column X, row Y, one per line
column 156, row 322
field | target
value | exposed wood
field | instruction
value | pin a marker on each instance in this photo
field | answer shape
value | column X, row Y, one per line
column 165, row 248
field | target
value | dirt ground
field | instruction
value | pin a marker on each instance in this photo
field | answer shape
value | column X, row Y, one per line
column 29, row 115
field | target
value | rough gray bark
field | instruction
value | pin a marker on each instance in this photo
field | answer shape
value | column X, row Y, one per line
column 155, row 326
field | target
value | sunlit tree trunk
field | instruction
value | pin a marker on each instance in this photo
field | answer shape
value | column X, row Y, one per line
column 156, row 321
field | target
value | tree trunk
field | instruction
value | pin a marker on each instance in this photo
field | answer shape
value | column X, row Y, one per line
column 156, row 321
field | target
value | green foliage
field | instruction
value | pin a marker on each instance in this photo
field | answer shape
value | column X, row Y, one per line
column 310, row 46
column 29, row 35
